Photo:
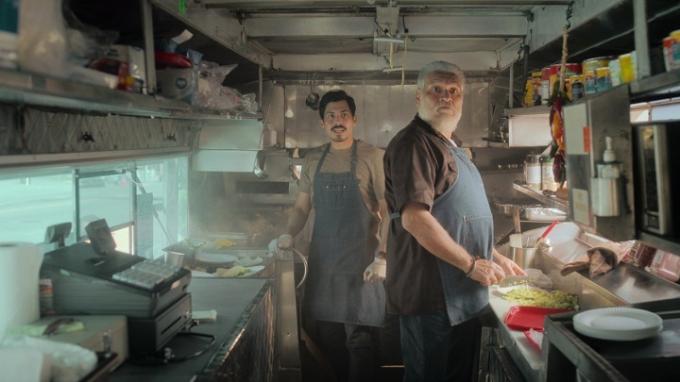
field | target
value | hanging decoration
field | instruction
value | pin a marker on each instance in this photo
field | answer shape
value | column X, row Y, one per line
column 557, row 101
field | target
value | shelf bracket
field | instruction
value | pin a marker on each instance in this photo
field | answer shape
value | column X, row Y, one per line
column 149, row 58
column 641, row 39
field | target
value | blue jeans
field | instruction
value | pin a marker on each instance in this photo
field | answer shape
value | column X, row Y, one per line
column 435, row 351
column 352, row 350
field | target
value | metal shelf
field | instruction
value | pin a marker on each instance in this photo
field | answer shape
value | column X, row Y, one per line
column 548, row 201
column 40, row 90
column 661, row 85
column 659, row 242
column 532, row 110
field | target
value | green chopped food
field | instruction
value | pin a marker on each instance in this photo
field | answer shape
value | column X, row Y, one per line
column 542, row 298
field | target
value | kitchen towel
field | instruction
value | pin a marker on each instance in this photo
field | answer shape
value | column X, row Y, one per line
column 19, row 268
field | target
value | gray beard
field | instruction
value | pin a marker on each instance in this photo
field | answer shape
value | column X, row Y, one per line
column 445, row 126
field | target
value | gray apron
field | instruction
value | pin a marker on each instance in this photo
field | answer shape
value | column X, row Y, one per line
column 340, row 252
column 463, row 210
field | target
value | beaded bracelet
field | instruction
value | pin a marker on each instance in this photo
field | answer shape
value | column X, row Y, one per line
column 472, row 267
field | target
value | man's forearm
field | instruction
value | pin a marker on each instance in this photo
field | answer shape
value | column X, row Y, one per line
column 296, row 221
column 433, row 237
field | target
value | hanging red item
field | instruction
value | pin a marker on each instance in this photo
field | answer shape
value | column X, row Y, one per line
column 556, row 102
column 557, row 132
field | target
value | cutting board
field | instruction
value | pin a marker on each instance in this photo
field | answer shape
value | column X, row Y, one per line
column 529, row 317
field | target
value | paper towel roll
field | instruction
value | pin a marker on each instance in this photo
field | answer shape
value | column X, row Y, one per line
column 19, row 272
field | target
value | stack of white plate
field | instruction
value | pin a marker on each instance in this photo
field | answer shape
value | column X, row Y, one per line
column 618, row 324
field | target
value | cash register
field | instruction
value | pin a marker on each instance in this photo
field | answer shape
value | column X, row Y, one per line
column 94, row 278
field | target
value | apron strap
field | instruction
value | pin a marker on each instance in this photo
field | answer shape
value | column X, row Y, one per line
column 354, row 159
column 323, row 158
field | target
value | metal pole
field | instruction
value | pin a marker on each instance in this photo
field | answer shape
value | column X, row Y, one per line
column 76, row 192
column 149, row 58
column 641, row 40
column 511, row 87
column 286, row 318
column 259, row 87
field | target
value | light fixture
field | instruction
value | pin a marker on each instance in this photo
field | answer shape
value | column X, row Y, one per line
column 395, row 69
column 391, row 40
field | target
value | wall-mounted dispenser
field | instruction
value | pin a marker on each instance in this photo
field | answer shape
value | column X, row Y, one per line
column 606, row 187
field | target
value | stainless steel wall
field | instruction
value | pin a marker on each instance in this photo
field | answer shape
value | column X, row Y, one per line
column 382, row 110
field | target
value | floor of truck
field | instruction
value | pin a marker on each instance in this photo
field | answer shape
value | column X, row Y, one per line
column 312, row 371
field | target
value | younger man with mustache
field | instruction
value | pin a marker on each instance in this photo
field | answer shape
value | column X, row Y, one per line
column 343, row 181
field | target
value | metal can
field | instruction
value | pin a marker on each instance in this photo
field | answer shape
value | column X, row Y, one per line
column 602, row 81
column 589, row 84
column 626, row 61
column 577, row 89
column 545, row 85
column 671, row 47
column 592, row 64
column 615, row 72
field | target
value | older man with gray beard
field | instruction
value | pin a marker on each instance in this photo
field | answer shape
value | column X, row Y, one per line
column 440, row 246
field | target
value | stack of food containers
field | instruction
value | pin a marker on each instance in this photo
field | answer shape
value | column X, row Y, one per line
column 550, row 75
column 596, row 74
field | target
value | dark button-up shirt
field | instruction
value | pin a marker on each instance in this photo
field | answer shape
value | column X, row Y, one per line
column 419, row 168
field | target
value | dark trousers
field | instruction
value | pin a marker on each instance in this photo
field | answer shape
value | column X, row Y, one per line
column 435, row 351
column 352, row 350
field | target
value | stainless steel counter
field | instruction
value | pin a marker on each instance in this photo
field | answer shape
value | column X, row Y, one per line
column 527, row 359
column 236, row 302
column 623, row 285
column 547, row 201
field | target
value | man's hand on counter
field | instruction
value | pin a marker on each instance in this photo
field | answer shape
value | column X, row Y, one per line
column 509, row 267
column 486, row 272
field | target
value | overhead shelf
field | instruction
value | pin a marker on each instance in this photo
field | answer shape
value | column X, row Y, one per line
column 548, row 201
column 655, row 98
column 40, row 90
column 532, row 110
column 660, row 242
column 661, row 85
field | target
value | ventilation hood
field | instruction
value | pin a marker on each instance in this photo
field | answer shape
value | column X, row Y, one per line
column 229, row 146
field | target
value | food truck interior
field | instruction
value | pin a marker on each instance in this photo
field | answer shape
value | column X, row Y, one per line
column 151, row 153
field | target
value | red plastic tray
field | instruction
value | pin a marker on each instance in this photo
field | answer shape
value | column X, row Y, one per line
column 529, row 317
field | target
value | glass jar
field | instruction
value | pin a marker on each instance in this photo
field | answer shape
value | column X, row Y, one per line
column 532, row 171
column 547, row 175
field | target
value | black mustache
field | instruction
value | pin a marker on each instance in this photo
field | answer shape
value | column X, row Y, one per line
column 338, row 127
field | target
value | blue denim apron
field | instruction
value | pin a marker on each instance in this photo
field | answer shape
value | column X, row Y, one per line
column 463, row 210
column 340, row 252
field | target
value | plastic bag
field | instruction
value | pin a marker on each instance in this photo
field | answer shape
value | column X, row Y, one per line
column 212, row 95
column 86, row 42
column 215, row 72
column 69, row 363
column 42, row 38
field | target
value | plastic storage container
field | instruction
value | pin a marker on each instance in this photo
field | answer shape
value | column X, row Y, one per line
column 8, row 33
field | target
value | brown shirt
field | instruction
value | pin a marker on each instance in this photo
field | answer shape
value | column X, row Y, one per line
column 419, row 168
